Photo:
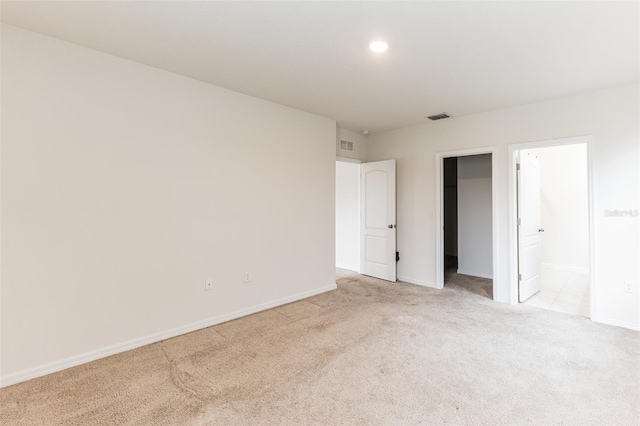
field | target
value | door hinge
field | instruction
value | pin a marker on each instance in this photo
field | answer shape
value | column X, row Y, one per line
column 519, row 221
column 517, row 166
column 519, row 277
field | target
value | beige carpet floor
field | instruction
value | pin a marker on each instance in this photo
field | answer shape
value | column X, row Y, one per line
column 370, row 352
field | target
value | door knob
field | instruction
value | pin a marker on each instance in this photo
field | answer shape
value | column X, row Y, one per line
column 540, row 229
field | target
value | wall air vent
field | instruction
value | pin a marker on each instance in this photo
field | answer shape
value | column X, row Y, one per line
column 438, row 117
column 346, row 145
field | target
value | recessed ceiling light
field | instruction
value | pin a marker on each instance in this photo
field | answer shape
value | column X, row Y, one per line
column 379, row 46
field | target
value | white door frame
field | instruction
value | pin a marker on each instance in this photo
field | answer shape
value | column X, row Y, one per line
column 513, row 212
column 439, row 222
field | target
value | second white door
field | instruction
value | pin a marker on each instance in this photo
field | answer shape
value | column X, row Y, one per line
column 529, row 282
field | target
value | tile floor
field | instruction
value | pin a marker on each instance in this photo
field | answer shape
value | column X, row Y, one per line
column 563, row 291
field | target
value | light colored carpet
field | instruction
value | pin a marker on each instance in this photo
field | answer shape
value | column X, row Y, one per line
column 370, row 352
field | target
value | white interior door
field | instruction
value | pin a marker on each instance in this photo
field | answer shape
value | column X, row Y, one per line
column 528, row 176
column 379, row 219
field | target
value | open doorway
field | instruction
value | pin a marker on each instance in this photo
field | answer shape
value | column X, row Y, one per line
column 450, row 215
column 553, row 231
column 467, row 219
column 366, row 219
column 348, row 216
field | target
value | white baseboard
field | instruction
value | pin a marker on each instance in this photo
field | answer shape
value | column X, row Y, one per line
column 63, row 364
column 349, row 268
column 474, row 274
column 617, row 323
column 578, row 269
column 416, row 281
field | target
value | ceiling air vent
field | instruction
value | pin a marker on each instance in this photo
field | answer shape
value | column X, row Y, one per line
column 438, row 117
column 346, row 145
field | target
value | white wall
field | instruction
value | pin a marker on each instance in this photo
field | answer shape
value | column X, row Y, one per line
column 348, row 216
column 359, row 144
column 612, row 116
column 564, row 214
column 475, row 256
column 124, row 187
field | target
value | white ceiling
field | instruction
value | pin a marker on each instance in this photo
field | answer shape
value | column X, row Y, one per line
column 454, row 57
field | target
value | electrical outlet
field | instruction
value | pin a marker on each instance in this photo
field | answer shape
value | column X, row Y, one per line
column 627, row 287
column 208, row 284
column 247, row 277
